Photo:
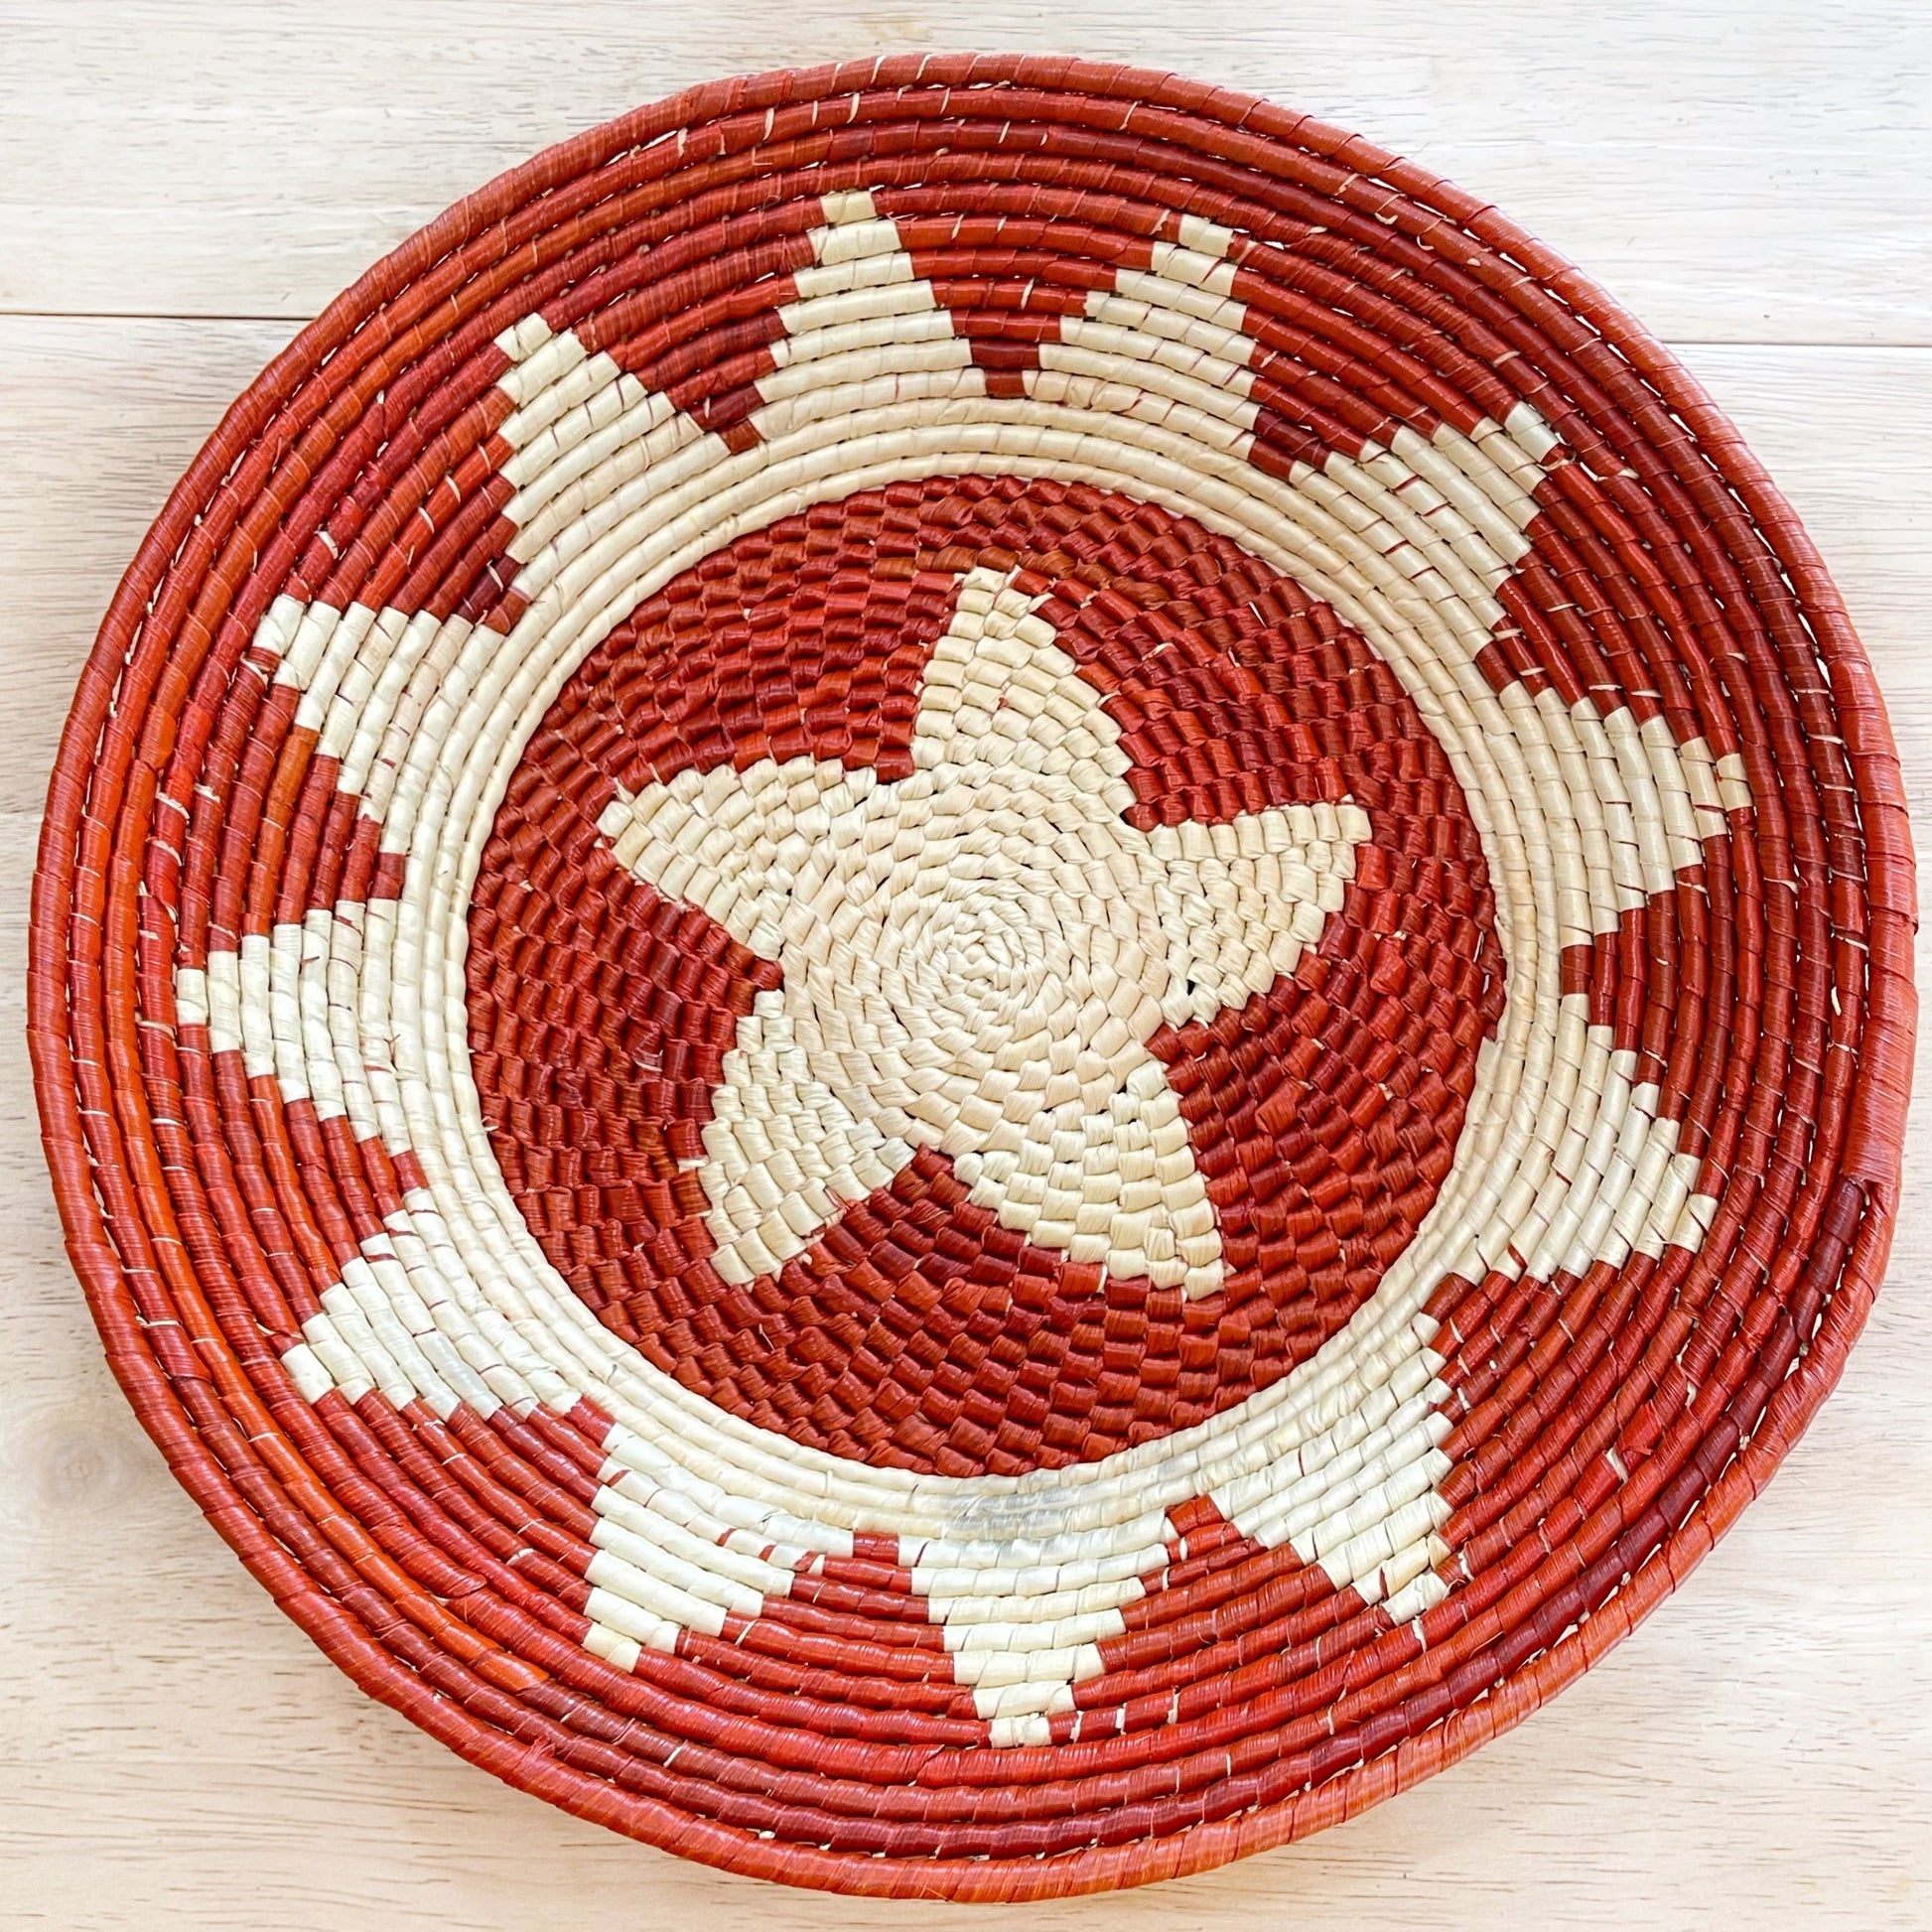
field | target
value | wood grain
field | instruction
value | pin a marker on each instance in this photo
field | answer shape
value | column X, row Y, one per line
column 1753, row 170
column 171, row 1753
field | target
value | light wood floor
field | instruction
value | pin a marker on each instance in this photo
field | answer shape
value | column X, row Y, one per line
column 181, row 185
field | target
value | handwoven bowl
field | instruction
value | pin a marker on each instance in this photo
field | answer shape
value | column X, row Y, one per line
column 971, row 976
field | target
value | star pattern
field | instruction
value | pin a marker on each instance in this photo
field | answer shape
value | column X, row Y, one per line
column 975, row 958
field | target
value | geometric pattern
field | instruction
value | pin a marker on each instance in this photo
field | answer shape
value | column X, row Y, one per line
column 972, row 976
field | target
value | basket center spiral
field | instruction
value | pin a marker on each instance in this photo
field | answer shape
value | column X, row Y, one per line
column 1051, row 1085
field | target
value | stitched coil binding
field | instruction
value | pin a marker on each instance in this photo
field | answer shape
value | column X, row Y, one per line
column 972, row 976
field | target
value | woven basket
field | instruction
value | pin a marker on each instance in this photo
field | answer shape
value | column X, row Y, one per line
column 972, row 976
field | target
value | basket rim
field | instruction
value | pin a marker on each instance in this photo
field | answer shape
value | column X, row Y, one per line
column 1880, row 1094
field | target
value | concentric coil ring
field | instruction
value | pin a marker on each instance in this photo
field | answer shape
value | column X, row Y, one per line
column 972, row 976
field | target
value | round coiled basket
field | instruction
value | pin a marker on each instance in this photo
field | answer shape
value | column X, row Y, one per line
column 971, row 976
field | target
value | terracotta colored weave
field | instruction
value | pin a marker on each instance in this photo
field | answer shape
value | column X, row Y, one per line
column 972, row 976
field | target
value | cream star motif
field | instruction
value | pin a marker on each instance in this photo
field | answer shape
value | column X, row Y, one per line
column 975, row 957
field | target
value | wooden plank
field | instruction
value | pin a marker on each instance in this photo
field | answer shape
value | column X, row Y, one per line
column 173, row 1753
column 1737, row 172
column 104, row 416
